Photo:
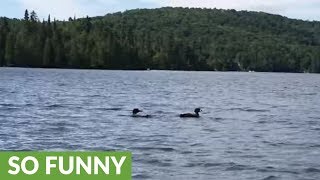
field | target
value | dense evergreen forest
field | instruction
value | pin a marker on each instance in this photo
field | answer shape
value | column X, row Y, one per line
column 165, row 38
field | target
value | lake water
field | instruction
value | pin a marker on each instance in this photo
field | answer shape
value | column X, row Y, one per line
column 253, row 126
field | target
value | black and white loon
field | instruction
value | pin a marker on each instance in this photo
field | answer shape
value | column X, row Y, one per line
column 190, row 115
column 135, row 113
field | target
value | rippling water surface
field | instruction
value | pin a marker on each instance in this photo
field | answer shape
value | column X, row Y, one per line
column 253, row 126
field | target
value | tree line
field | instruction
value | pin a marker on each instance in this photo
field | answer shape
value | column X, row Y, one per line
column 164, row 38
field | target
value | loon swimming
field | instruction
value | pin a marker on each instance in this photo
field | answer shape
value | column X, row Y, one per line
column 136, row 111
column 189, row 115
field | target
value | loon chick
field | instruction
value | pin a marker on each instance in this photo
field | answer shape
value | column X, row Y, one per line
column 136, row 111
column 189, row 115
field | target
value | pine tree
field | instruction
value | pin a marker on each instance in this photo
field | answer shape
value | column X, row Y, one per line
column 26, row 15
column 49, row 19
column 34, row 17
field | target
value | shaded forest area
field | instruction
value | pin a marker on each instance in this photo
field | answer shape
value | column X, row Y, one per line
column 165, row 38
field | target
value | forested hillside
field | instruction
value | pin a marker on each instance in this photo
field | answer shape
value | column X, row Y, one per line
column 165, row 38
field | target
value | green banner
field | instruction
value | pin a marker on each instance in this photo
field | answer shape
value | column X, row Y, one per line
column 65, row 165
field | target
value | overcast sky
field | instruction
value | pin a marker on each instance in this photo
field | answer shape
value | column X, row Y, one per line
column 62, row 9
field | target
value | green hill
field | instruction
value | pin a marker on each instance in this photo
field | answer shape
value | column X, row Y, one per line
column 165, row 38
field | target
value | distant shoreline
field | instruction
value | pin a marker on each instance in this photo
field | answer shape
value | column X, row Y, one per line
column 187, row 39
column 159, row 70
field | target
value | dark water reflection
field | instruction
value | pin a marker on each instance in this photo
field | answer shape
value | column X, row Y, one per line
column 254, row 125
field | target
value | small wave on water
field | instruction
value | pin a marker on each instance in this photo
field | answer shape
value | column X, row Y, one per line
column 141, row 176
column 312, row 170
column 14, row 107
column 231, row 166
column 6, row 105
column 197, row 164
column 309, row 94
column 271, row 178
column 218, row 119
column 239, row 167
column 55, row 106
column 165, row 149
column 277, row 170
column 156, row 162
column 210, row 130
column 107, row 109
column 62, row 84
column 249, row 110
column 94, row 96
column 160, row 113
